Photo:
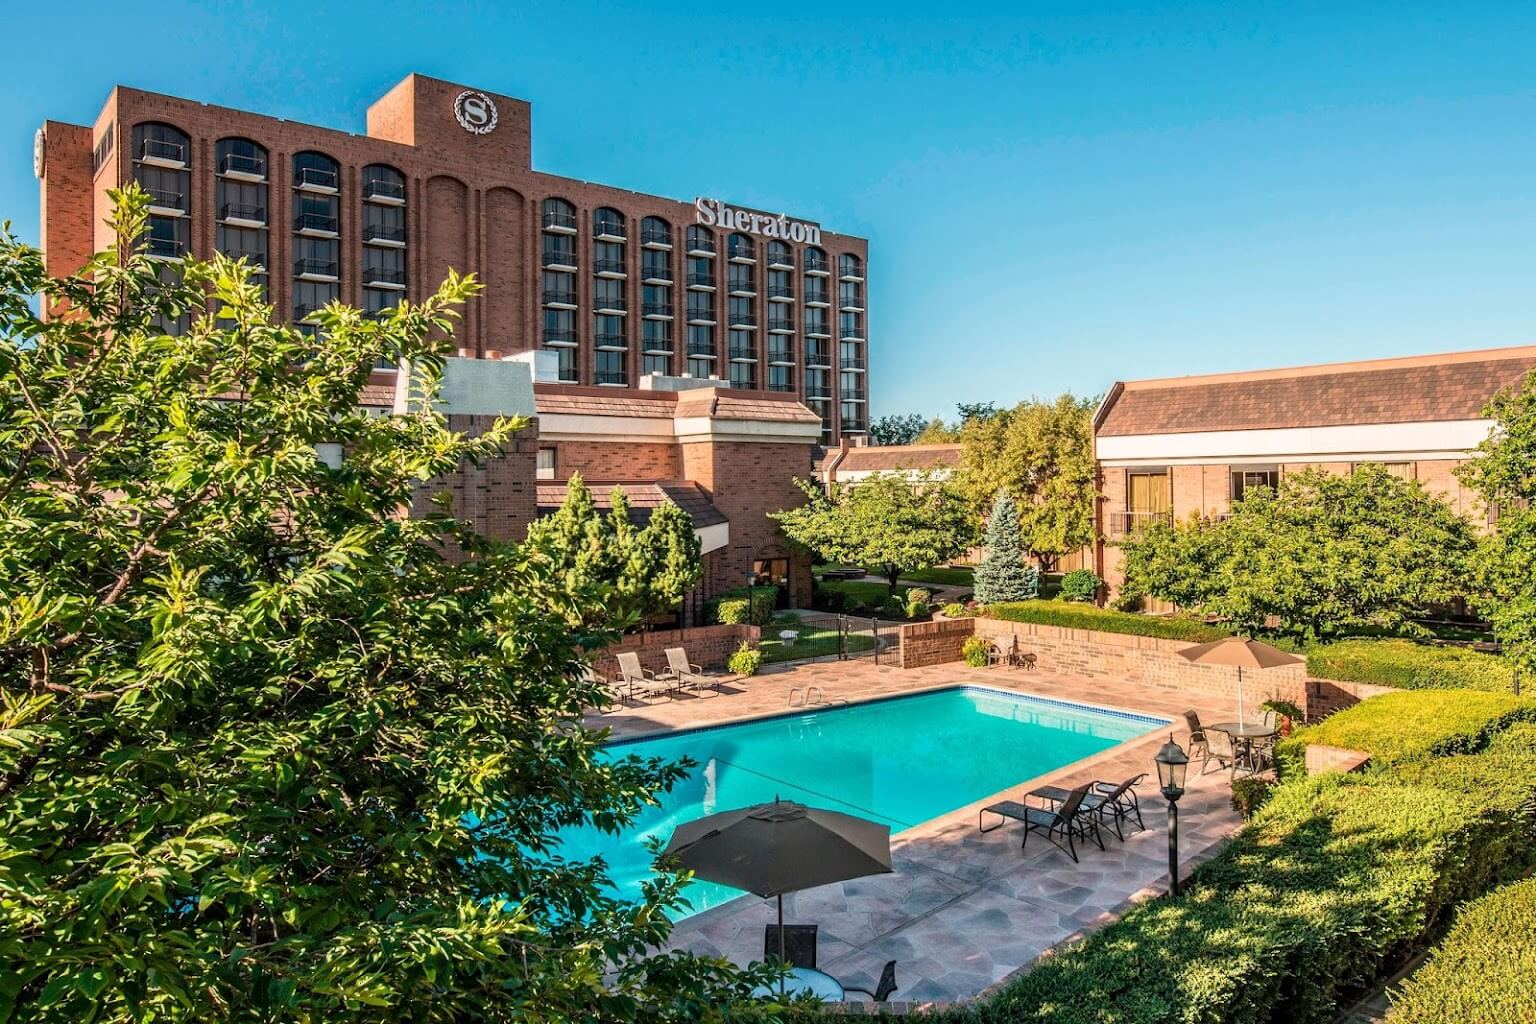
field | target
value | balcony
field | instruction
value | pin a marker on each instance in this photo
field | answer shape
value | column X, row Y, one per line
column 743, row 288
column 609, row 304
column 780, row 293
column 559, row 297
column 303, row 311
column 610, row 340
column 242, row 215
column 701, row 247
column 702, row 281
column 254, row 257
column 317, row 225
column 816, row 265
column 163, row 154
column 700, row 351
column 560, row 337
column 384, row 277
column 851, row 334
column 743, row 320
column 817, row 331
column 561, row 222
column 783, row 261
column 781, row 324
column 851, row 304
column 743, row 354
column 818, row 357
column 315, row 179
column 657, row 310
column 608, row 268
column 558, row 259
column 742, row 252
column 243, row 168
column 657, row 347
column 1123, row 524
column 784, row 386
column 701, row 316
column 817, row 392
column 384, row 191
column 656, row 275
column 817, row 298
column 390, row 235
column 781, row 354
column 851, row 363
column 654, row 238
column 850, row 273
column 165, row 248
column 607, row 230
column 610, row 378
column 853, row 426
column 315, row 270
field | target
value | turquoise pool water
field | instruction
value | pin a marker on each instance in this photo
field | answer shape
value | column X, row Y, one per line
column 901, row 761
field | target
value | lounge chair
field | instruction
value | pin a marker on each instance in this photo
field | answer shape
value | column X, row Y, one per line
column 638, row 680
column 1219, row 748
column 614, row 689
column 1198, row 747
column 1113, row 802
column 799, row 944
column 1069, row 819
column 883, row 989
column 688, row 675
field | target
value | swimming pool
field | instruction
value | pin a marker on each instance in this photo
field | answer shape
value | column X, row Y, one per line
column 897, row 760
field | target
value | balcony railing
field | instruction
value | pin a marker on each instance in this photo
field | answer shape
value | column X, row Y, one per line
column 699, row 350
column 556, row 219
column 243, row 211
column 742, row 288
column 815, row 297
column 256, row 258
column 165, row 248
column 744, row 352
column 701, row 280
column 817, row 391
column 559, row 258
column 559, row 336
column 815, row 356
column 743, row 319
column 851, row 363
column 610, row 302
column 655, row 273
column 303, row 311
column 701, row 246
column 609, row 339
column 383, row 188
column 657, row 309
column 701, row 316
column 235, row 163
column 166, row 199
column 610, row 377
column 384, row 233
column 742, row 251
column 817, row 331
column 851, row 302
column 317, row 222
column 163, row 152
column 853, row 426
column 315, row 178
column 655, row 236
column 608, row 228
column 782, row 261
column 781, row 323
column 816, row 264
column 780, row 354
column 383, row 275
column 1123, row 524
column 657, row 347
column 781, row 385
column 314, row 268
column 848, row 272
column 559, row 296
column 608, row 266
column 780, row 291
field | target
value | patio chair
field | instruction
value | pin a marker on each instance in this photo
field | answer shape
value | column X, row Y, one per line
column 883, row 988
column 1219, row 748
column 996, row 655
column 1113, row 802
column 1198, row 747
column 1069, row 820
column 613, row 689
column 688, row 675
column 640, row 681
column 799, row 944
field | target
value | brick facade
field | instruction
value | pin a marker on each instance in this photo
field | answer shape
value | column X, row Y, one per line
column 934, row 643
column 498, row 496
column 709, row 647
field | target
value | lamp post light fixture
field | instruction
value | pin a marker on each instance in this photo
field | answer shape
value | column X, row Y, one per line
column 1172, row 762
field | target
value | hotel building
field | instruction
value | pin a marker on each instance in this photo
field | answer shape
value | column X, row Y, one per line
column 612, row 286
column 1174, row 448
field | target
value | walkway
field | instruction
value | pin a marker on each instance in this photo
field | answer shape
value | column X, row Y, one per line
column 962, row 911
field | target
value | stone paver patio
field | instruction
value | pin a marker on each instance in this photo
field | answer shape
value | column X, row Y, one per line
column 962, row 911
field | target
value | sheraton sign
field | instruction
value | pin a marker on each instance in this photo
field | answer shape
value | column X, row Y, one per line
column 716, row 214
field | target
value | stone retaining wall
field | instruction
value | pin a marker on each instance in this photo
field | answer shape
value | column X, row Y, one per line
column 933, row 643
column 709, row 647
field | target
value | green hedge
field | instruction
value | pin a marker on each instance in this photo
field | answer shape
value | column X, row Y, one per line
column 1072, row 615
column 1333, row 878
column 1519, row 737
column 1410, row 666
column 1408, row 724
column 751, row 606
column 1484, row 971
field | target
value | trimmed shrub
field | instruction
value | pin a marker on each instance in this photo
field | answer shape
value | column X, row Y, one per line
column 975, row 651
column 956, row 610
column 746, row 606
column 1504, row 783
column 1410, row 666
column 746, row 661
column 1483, row 970
column 1073, row 615
column 1410, row 724
column 1520, row 737
column 1080, row 585
column 1250, row 793
column 893, row 608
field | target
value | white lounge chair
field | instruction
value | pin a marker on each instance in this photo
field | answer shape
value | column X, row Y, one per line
column 641, row 682
column 688, row 675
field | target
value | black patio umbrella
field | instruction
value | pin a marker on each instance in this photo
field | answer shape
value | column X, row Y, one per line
column 771, row 849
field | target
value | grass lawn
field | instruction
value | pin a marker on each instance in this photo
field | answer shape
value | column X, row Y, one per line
column 939, row 576
column 870, row 593
column 814, row 641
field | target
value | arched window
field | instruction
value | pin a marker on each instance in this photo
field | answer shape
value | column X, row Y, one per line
column 741, row 248
column 383, row 184
column 816, row 261
column 701, row 241
column 241, row 202
column 241, row 159
column 559, row 214
column 778, row 255
column 608, row 223
column 655, row 231
column 849, row 265
column 161, row 145
column 317, row 232
column 558, row 241
column 316, row 171
column 383, row 209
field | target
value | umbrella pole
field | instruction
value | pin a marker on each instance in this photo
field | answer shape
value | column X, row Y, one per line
column 781, row 941
column 1240, row 694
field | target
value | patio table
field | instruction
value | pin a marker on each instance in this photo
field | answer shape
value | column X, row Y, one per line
column 1243, row 734
column 804, row 979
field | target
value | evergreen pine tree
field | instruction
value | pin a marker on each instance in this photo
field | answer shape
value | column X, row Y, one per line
column 1002, row 575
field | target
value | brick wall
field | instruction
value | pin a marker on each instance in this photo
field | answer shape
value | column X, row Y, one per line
column 934, row 643
column 1325, row 696
column 618, row 462
column 709, row 647
column 498, row 496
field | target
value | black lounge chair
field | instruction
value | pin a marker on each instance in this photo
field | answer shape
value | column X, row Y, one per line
column 1069, row 820
column 883, row 988
column 1114, row 802
column 799, row 944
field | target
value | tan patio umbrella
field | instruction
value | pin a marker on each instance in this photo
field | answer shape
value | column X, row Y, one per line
column 1242, row 652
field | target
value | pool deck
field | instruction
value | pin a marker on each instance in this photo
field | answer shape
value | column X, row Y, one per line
column 962, row 911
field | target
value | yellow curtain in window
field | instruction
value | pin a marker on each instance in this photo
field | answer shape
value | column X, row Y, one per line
column 1148, row 492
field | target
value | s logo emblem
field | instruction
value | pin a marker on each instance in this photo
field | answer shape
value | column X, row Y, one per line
column 476, row 112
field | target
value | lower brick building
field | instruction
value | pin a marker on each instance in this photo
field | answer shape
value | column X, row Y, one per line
column 1171, row 448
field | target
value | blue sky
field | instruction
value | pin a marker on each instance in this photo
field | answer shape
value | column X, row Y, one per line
column 1056, row 196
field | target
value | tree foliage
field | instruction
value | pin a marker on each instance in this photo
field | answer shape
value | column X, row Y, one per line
column 936, row 431
column 895, row 429
column 1503, row 472
column 644, row 572
column 1041, row 453
column 898, row 522
column 1326, row 554
column 265, row 754
column 1002, row 574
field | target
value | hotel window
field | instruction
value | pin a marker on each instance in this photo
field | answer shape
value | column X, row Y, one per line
column 850, row 295
column 608, row 224
column 850, row 386
column 558, row 258
column 1245, row 477
column 317, row 233
column 701, row 306
column 816, row 322
column 383, row 237
column 1148, row 499
column 701, row 350
column 544, row 469
column 656, row 234
column 162, row 160
column 816, row 264
column 850, row 267
column 850, row 325
column 850, row 356
column 241, row 203
column 817, row 388
column 1401, row 470
column 701, row 241
column 655, row 266
column 740, row 247
column 610, row 368
column 656, row 346
column 742, row 347
column 559, row 216
column 744, row 375
column 608, row 295
column 656, row 300
column 781, row 378
column 852, row 419
column 742, row 313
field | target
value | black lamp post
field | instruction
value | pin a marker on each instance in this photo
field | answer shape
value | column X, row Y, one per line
column 1171, row 765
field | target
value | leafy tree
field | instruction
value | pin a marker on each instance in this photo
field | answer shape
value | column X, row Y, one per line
column 1325, row 554
column 1002, row 574
column 266, row 754
column 1042, row 454
column 1503, row 472
column 645, row 572
column 975, row 411
column 893, row 429
column 936, row 431
column 894, row 521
